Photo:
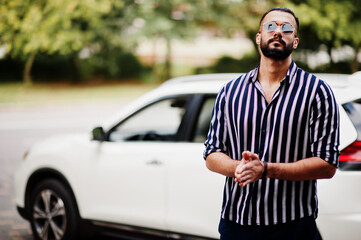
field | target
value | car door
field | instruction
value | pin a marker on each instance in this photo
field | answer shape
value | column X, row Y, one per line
column 127, row 179
column 194, row 193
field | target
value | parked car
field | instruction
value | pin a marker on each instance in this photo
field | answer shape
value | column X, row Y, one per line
column 141, row 174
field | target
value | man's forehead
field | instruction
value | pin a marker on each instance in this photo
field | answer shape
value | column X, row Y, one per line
column 279, row 17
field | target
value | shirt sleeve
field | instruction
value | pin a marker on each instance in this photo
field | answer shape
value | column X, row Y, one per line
column 325, row 125
column 217, row 134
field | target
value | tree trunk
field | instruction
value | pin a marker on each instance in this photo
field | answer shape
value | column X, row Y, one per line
column 329, row 52
column 168, row 63
column 354, row 64
column 27, row 71
column 75, row 74
column 153, row 61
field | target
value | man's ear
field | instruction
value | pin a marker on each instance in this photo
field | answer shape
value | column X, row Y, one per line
column 296, row 42
column 258, row 39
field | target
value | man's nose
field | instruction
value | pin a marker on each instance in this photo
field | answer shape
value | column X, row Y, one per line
column 277, row 33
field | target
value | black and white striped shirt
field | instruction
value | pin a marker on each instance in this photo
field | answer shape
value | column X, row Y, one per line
column 301, row 121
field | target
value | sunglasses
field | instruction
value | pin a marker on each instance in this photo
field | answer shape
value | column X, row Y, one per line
column 272, row 26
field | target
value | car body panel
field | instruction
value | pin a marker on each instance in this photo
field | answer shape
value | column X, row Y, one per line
column 134, row 174
column 55, row 153
column 188, row 208
column 339, row 206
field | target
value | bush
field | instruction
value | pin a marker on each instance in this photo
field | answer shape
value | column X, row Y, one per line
column 46, row 68
column 228, row 64
column 50, row 68
column 11, row 69
column 339, row 67
column 114, row 65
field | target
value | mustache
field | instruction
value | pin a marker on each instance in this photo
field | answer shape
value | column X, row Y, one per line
column 277, row 39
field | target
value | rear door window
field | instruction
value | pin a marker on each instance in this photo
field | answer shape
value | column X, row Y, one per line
column 353, row 110
column 204, row 119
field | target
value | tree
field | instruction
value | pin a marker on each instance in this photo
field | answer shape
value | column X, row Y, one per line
column 323, row 26
column 178, row 19
column 167, row 20
column 29, row 27
column 330, row 23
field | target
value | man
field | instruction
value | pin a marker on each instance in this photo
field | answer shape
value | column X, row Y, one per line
column 274, row 131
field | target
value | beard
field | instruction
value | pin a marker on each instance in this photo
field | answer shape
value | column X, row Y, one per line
column 276, row 53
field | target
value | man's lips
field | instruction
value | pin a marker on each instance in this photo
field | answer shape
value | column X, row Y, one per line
column 277, row 40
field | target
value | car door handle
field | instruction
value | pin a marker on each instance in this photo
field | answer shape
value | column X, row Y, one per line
column 155, row 162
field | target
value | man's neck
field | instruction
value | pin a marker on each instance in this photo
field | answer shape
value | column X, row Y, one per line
column 273, row 71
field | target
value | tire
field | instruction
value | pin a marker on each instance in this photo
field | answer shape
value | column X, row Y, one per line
column 53, row 212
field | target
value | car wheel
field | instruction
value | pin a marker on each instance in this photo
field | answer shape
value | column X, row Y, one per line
column 54, row 214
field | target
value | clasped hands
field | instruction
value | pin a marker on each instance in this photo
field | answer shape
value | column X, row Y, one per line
column 250, row 169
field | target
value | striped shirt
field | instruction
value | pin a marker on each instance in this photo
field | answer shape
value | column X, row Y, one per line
column 301, row 121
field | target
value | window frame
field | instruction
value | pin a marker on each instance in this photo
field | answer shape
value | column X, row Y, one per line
column 192, row 119
column 356, row 124
column 183, row 123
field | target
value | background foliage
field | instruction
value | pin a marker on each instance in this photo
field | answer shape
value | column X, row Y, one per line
column 77, row 40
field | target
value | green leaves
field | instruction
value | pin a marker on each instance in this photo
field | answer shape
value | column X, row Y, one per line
column 50, row 26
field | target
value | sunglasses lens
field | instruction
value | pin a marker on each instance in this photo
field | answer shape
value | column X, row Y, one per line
column 270, row 26
column 287, row 28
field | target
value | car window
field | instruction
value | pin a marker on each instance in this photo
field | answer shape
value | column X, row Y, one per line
column 353, row 110
column 157, row 122
column 204, row 120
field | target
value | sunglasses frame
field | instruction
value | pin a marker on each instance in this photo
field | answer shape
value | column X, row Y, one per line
column 285, row 27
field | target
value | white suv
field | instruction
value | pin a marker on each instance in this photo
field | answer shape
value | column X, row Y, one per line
column 142, row 173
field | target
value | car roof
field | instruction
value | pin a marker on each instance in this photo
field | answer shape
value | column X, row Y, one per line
column 345, row 88
column 201, row 83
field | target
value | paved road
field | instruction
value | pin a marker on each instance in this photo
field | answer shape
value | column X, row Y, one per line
column 23, row 124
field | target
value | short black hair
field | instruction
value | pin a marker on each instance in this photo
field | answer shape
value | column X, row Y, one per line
column 282, row 9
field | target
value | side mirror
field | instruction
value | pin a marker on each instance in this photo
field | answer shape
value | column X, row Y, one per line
column 98, row 134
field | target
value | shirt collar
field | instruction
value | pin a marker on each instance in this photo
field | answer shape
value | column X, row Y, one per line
column 253, row 77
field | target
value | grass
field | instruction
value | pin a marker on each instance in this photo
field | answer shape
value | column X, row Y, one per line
column 98, row 89
column 19, row 93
